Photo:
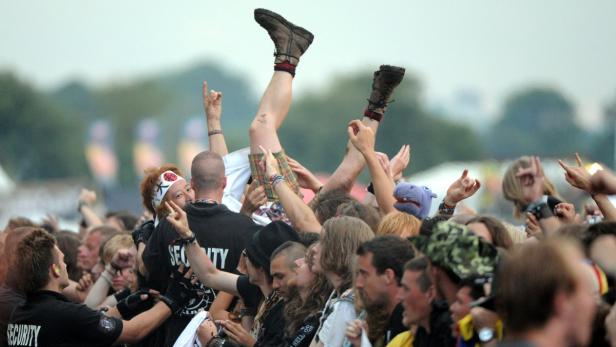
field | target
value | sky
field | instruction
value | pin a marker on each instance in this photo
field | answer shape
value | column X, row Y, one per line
column 491, row 47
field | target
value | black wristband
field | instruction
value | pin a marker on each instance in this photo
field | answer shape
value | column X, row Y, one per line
column 446, row 210
column 187, row 241
column 132, row 305
column 173, row 306
column 80, row 205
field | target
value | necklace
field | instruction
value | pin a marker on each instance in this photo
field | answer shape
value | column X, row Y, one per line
column 206, row 201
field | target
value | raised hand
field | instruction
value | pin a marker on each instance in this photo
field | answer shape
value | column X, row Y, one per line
column 52, row 222
column 577, row 176
column 385, row 163
column 124, row 258
column 532, row 180
column 361, row 136
column 270, row 163
column 177, row 218
column 87, row 196
column 254, row 198
column 566, row 213
column 305, row 178
column 462, row 188
column 400, row 161
column 212, row 103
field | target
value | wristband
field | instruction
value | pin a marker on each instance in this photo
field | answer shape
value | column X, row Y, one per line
column 121, row 295
column 81, row 204
column 107, row 275
column 186, row 241
column 275, row 179
column 214, row 132
column 443, row 208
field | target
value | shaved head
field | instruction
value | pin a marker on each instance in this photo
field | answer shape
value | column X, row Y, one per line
column 208, row 172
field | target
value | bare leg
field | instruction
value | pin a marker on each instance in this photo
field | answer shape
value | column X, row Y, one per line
column 273, row 109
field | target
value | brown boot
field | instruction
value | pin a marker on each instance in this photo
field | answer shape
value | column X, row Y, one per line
column 385, row 80
column 290, row 41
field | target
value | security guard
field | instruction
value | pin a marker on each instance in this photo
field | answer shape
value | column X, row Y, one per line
column 50, row 319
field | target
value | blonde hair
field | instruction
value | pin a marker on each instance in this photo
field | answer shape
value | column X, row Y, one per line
column 340, row 240
column 115, row 243
column 399, row 224
column 512, row 187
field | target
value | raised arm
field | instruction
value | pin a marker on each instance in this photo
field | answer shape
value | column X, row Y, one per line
column 201, row 264
column 212, row 104
column 462, row 188
column 532, row 180
column 87, row 198
column 122, row 259
column 578, row 177
column 363, row 138
column 299, row 213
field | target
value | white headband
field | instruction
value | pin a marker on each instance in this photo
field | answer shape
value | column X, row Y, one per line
column 165, row 181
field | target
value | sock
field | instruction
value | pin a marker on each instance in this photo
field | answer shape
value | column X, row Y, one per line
column 373, row 115
column 285, row 66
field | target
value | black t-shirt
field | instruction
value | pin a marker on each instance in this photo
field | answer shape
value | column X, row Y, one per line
column 223, row 235
column 305, row 333
column 9, row 299
column 440, row 328
column 395, row 325
column 272, row 328
column 271, row 332
column 251, row 294
column 49, row 319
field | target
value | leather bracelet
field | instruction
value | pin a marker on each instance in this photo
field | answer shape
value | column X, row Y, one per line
column 189, row 240
column 446, row 210
column 214, row 132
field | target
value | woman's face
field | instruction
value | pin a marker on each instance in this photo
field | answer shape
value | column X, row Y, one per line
column 124, row 278
column 180, row 192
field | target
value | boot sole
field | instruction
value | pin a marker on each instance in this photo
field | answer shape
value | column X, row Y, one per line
column 296, row 30
column 391, row 68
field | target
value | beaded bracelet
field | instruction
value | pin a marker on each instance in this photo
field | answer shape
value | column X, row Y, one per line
column 275, row 179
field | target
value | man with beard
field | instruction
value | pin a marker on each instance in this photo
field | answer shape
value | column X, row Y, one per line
column 380, row 265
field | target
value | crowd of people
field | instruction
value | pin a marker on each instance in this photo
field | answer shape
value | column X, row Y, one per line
column 234, row 256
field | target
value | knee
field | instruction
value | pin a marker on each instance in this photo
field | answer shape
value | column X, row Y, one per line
column 261, row 124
